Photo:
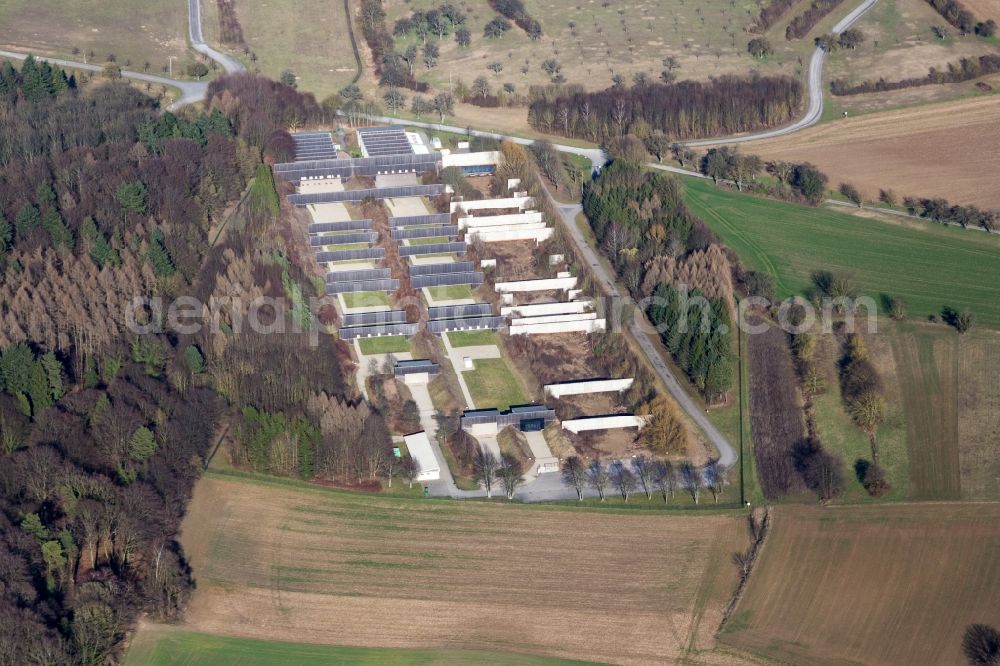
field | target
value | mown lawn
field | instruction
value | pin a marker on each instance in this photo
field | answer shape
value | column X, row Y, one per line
column 492, row 384
column 389, row 344
column 927, row 266
column 169, row 646
column 471, row 338
column 429, row 241
column 366, row 299
column 451, row 292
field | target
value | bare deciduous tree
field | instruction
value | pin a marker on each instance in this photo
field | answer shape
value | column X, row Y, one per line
column 623, row 478
column 645, row 470
column 485, row 466
column 575, row 474
column 510, row 475
column 691, row 480
column 597, row 475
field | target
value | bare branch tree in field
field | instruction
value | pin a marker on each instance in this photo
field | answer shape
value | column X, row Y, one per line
column 574, row 474
column 644, row 469
column 485, row 468
column 597, row 475
column 509, row 475
column 623, row 478
column 715, row 478
column 409, row 469
column 664, row 478
column 691, row 480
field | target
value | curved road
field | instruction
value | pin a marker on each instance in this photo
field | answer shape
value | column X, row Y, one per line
column 598, row 157
column 191, row 91
column 230, row 64
column 815, row 87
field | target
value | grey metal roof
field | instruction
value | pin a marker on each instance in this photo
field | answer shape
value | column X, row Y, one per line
column 460, row 311
column 434, row 269
column 374, row 318
column 360, row 195
column 414, row 220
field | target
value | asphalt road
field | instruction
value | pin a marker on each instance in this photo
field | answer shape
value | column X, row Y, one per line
column 228, row 63
column 191, row 91
column 815, row 110
column 640, row 327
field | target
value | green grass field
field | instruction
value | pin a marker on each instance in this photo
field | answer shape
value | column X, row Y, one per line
column 167, row 645
column 428, row 241
column 451, row 292
column 471, row 338
column 389, row 344
column 308, row 37
column 366, row 299
column 137, row 32
column 927, row 266
column 345, row 246
column 493, row 384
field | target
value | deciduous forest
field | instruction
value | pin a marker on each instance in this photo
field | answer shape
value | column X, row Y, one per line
column 103, row 432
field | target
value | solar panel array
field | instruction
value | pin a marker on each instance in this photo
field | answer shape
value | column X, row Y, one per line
column 310, row 146
column 414, row 220
column 460, row 311
column 432, row 269
column 346, row 225
column 356, row 276
column 373, row 318
column 465, row 324
column 442, row 279
column 412, row 367
column 513, row 417
column 350, row 255
column 385, row 284
column 449, row 230
column 341, row 239
column 365, row 166
column 360, row 195
column 434, row 248
column 379, row 141
column 379, row 330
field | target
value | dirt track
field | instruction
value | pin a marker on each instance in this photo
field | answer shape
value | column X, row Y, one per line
column 949, row 150
column 282, row 564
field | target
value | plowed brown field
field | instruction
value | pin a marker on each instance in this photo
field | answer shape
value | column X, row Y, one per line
column 888, row 584
column 280, row 562
column 949, row 150
column 984, row 9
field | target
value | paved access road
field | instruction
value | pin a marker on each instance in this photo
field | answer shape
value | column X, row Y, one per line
column 815, row 87
column 191, row 91
column 639, row 327
column 228, row 63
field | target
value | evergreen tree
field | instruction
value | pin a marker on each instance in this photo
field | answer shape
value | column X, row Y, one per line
column 158, row 256
column 53, row 373
column 44, row 194
column 15, row 368
column 8, row 79
column 27, row 220
column 38, row 389
column 58, row 231
column 131, row 196
column 36, row 81
column 6, row 235
column 100, row 251
column 194, row 360
column 142, row 445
